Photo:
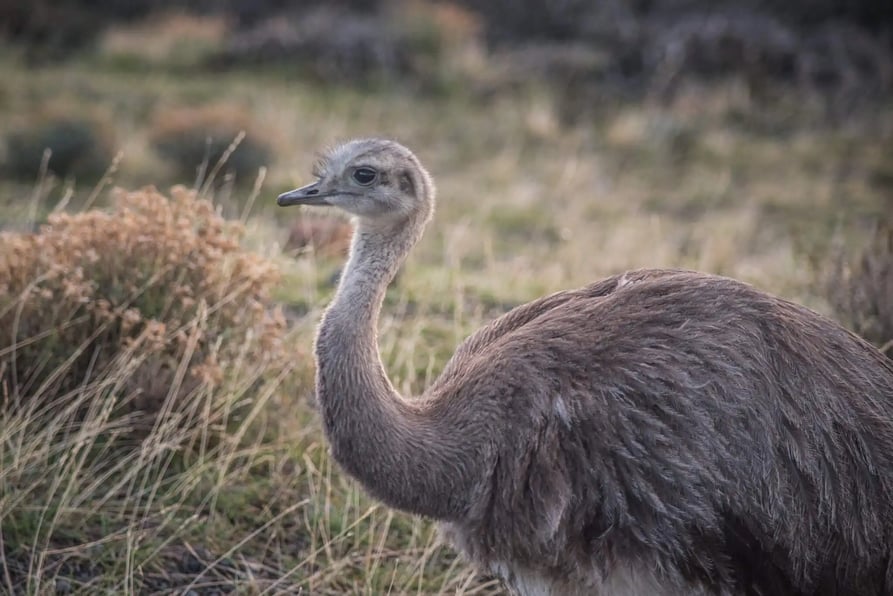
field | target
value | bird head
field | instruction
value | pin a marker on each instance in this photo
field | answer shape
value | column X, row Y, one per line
column 376, row 180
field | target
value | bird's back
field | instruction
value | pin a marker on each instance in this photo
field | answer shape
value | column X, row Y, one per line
column 685, row 425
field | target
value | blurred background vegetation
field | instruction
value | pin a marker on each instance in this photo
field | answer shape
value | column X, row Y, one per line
column 158, row 433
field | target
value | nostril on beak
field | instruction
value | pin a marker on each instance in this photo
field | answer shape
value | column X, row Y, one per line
column 312, row 191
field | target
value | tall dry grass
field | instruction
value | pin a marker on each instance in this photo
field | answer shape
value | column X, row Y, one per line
column 153, row 439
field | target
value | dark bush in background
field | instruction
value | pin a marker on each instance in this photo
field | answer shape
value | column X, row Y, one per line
column 838, row 47
column 514, row 21
column 409, row 41
column 79, row 146
column 53, row 27
column 325, row 43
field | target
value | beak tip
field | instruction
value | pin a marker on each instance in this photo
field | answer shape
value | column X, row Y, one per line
column 287, row 199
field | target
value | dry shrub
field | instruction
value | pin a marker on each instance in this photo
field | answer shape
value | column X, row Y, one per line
column 80, row 144
column 194, row 139
column 860, row 288
column 161, row 280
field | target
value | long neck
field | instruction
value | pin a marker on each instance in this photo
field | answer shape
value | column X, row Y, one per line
column 396, row 448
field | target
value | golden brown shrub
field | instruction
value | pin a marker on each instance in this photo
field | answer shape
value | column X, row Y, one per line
column 165, row 279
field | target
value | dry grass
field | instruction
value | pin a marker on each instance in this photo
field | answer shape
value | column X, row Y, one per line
column 527, row 206
column 86, row 512
column 859, row 286
column 144, row 446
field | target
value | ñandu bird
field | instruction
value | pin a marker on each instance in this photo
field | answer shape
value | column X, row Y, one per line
column 658, row 432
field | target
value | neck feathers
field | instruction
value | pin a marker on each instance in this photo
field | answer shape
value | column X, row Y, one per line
column 375, row 257
column 398, row 449
column 350, row 376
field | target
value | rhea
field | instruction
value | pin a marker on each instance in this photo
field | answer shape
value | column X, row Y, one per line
column 659, row 432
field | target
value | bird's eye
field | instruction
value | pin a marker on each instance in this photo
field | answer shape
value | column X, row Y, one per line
column 364, row 176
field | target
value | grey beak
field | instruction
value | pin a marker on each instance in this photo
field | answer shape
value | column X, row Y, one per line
column 306, row 195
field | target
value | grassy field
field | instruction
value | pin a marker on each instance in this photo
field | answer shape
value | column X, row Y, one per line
column 714, row 180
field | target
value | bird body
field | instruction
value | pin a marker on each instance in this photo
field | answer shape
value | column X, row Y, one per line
column 713, row 439
column 656, row 432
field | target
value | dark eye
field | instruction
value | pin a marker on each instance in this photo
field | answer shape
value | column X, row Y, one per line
column 364, row 176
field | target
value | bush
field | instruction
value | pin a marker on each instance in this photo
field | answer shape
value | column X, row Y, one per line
column 840, row 50
column 80, row 146
column 194, row 139
column 162, row 282
column 333, row 43
column 328, row 44
column 860, row 288
column 52, row 29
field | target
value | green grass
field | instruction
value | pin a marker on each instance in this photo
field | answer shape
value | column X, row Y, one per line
column 526, row 206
